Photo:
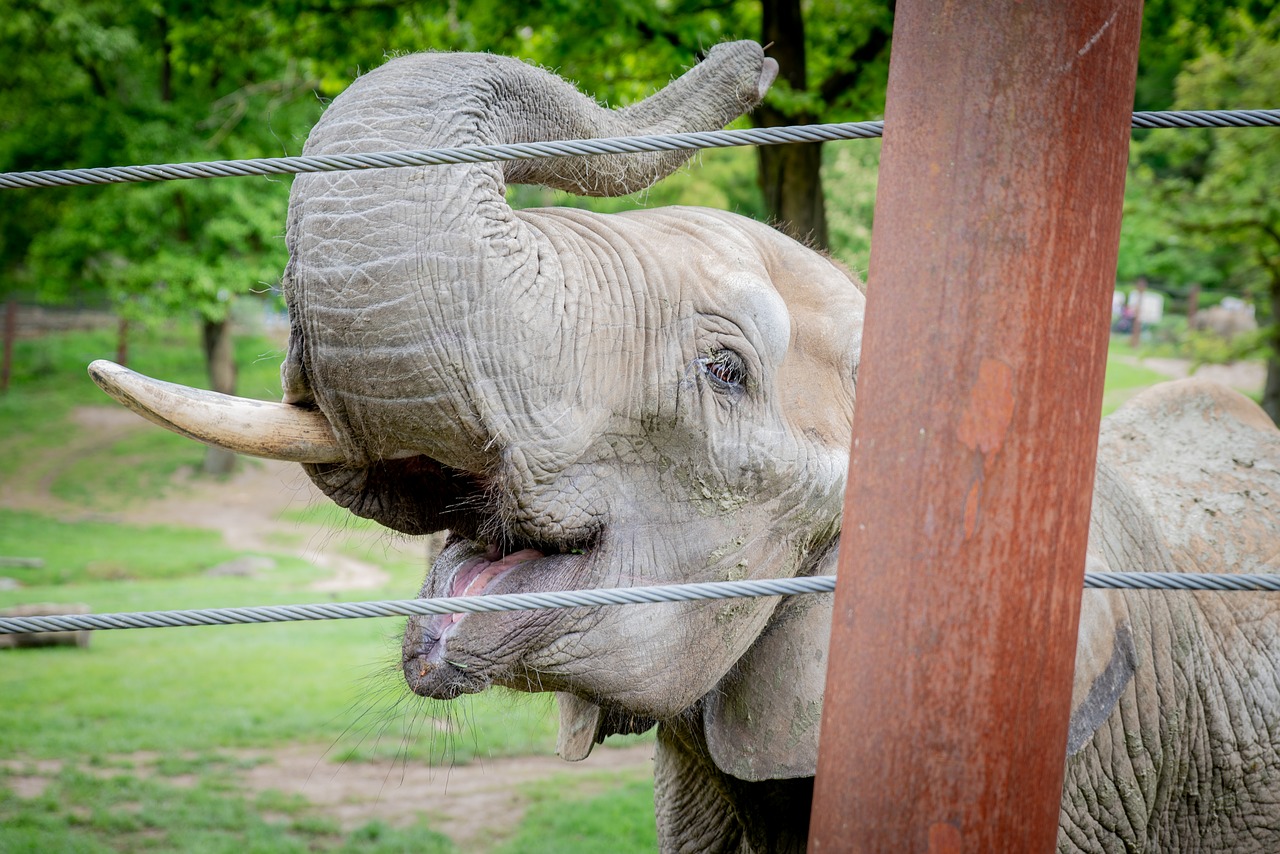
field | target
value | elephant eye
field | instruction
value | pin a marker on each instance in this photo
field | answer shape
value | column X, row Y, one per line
column 725, row 369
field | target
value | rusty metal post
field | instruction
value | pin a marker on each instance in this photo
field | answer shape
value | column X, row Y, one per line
column 975, row 435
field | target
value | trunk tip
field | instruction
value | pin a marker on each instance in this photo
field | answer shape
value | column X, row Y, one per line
column 768, row 74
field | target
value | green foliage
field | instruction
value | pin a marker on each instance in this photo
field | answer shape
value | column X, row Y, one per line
column 99, row 83
column 1201, row 206
column 1174, row 32
column 104, row 83
column 1200, row 197
column 852, row 171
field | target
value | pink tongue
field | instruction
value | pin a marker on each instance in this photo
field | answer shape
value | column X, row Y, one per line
column 478, row 575
column 496, row 568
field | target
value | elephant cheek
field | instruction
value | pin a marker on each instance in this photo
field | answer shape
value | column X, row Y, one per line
column 659, row 660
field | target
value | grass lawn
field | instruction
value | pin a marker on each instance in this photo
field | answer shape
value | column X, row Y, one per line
column 1124, row 380
column 104, row 809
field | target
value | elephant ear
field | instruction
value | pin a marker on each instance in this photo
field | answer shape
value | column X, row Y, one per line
column 762, row 723
column 584, row 724
column 1106, row 660
column 1123, row 537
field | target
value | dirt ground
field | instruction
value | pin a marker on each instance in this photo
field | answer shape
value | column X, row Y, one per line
column 470, row 804
column 475, row 805
column 1245, row 376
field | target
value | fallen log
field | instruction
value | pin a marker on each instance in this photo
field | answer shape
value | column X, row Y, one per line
column 38, row 639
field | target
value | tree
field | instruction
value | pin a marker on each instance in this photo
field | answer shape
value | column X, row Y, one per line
column 1214, row 191
column 1175, row 32
column 834, row 67
column 107, row 83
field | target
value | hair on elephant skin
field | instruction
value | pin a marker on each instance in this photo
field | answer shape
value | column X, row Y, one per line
column 666, row 395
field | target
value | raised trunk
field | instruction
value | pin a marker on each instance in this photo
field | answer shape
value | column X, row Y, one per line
column 392, row 270
column 220, row 361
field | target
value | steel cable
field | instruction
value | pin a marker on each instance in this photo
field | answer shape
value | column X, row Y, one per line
column 564, row 148
column 1188, row 581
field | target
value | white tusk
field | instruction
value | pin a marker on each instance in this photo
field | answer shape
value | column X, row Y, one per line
column 276, row 431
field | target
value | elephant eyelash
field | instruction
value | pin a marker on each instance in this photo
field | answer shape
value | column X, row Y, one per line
column 725, row 369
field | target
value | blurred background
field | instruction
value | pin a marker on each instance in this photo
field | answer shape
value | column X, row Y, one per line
column 301, row 737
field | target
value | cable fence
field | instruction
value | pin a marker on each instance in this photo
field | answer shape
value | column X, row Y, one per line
column 1174, row 581
column 562, row 148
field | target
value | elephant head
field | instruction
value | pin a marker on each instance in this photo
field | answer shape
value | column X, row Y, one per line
column 582, row 400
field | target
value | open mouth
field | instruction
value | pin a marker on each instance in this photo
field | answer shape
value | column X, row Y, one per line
column 477, row 573
column 467, row 568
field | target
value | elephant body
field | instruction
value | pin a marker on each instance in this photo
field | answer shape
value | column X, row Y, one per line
column 667, row 395
column 1180, row 748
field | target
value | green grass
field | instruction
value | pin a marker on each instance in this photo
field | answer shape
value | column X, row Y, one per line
column 78, row 552
column 55, row 365
column 97, row 810
column 333, row 683
column 49, row 378
column 141, row 466
column 618, row 819
column 1124, row 380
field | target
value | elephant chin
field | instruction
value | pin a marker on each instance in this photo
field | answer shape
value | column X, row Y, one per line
column 447, row 655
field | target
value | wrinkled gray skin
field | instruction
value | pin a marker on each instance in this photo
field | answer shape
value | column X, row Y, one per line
column 664, row 396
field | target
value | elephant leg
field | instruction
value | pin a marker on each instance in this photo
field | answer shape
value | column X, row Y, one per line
column 701, row 808
column 693, row 811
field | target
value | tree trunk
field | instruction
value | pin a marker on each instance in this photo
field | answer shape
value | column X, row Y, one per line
column 790, row 175
column 122, row 342
column 220, row 361
column 10, row 333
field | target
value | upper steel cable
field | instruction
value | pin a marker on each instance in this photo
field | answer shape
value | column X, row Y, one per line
column 564, row 148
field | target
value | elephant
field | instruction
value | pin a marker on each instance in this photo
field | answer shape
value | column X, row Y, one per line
column 1226, row 322
column 667, row 395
